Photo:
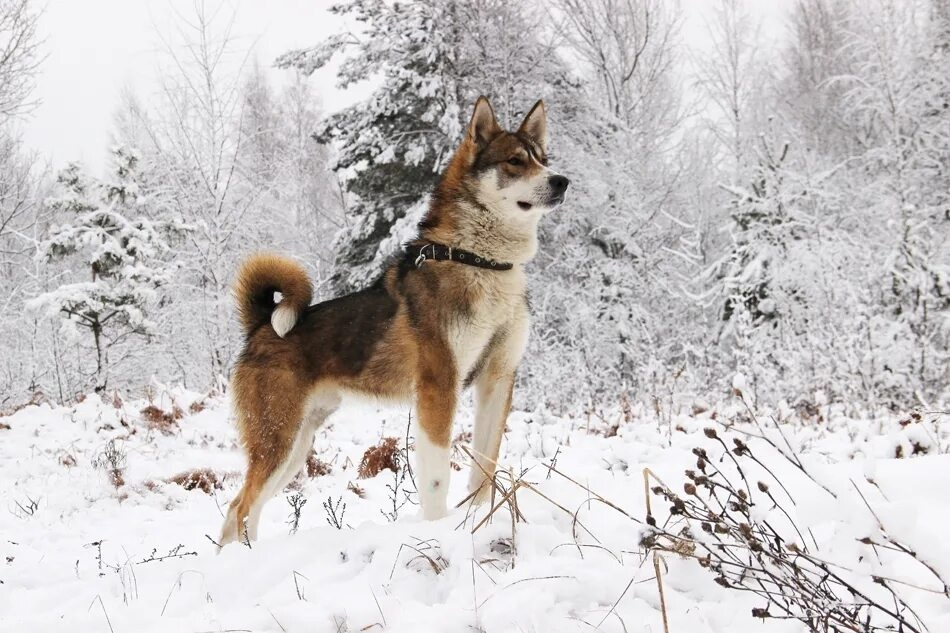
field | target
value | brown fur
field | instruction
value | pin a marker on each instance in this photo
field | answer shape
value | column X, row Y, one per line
column 402, row 338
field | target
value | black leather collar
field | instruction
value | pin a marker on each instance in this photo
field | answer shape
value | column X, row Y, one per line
column 417, row 254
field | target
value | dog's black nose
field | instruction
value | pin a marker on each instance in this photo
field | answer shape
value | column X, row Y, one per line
column 558, row 183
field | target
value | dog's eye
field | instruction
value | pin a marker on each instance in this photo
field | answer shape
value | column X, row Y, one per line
column 515, row 161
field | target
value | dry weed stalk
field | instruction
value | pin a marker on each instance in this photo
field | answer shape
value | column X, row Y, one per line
column 428, row 552
column 714, row 522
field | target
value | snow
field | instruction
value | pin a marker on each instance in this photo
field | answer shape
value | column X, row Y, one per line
column 557, row 574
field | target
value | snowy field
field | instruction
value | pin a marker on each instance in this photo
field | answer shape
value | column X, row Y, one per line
column 96, row 536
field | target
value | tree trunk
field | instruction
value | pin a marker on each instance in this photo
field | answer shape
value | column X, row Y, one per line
column 100, row 365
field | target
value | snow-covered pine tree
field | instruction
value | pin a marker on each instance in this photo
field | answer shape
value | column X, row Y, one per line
column 762, row 227
column 434, row 57
column 117, row 248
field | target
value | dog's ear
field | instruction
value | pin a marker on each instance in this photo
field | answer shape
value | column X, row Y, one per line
column 483, row 127
column 535, row 125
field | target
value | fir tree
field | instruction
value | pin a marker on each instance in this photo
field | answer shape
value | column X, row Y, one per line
column 121, row 251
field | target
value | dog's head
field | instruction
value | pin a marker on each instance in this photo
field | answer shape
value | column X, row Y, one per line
column 498, row 185
column 510, row 169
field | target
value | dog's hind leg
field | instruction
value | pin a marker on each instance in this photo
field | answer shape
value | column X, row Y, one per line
column 270, row 412
column 318, row 408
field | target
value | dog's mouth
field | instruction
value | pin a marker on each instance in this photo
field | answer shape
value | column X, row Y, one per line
column 524, row 206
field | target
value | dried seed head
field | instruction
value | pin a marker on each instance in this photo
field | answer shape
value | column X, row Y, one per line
column 691, row 474
column 761, row 613
column 657, row 490
column 763, row 487
column 710, row 433
column 701, row 464
column 689, row 488
column 707, row 527
column 721, row 528
column 742, row 494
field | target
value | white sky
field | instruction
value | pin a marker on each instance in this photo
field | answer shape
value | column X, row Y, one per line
column 96, row 48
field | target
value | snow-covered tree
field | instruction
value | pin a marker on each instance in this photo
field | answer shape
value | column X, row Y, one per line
column 433, row 58
column 120, row 251
column 899, row 96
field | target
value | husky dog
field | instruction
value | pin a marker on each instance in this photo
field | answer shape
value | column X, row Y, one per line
column 451, row 313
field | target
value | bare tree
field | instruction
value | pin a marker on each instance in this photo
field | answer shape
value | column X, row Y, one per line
column 814, row 57
column 630, row 47
column 19, row 56
column 301, row 194
column 195, row 133
column 728, row 73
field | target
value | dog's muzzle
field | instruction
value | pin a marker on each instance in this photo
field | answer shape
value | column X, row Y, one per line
column 558, row 185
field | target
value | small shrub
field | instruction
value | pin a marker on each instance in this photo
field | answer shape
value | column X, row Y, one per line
column 203, row 479
column 297, row 501
column 112, row 459
column 166, row 422
column 38, row 397
column 316, row 467
column 383, row 456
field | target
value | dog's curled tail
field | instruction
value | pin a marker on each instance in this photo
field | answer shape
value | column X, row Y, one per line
column 259, row 277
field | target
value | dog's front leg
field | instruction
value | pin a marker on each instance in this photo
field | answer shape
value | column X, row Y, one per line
column 492, row 404
column 435, row 405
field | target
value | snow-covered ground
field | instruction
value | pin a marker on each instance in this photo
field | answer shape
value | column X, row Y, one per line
column 80, row 553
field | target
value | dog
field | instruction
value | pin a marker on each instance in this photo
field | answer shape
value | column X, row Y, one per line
column 451, row 313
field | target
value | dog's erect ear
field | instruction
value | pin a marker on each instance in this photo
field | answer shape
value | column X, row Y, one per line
column 535, row 125
column 483, row 127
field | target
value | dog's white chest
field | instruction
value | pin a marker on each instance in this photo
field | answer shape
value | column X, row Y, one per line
column 468, row 341
column 469, row 336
